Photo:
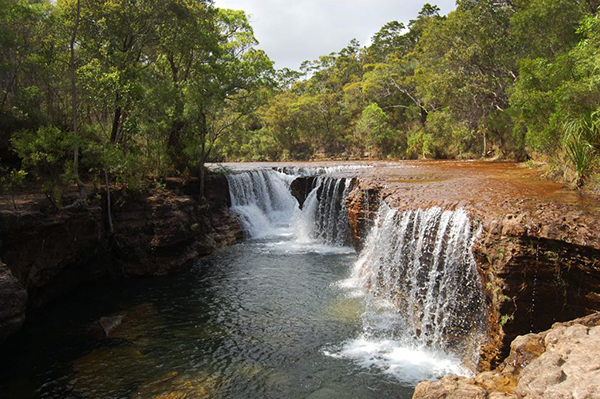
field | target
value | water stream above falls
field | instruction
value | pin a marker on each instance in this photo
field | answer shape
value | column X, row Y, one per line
column 283, row 314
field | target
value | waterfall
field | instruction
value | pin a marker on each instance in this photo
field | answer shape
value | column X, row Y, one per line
column 324, row 215
column 262, row 200
column 416, row 278
column 264, row 204
column 422, row 294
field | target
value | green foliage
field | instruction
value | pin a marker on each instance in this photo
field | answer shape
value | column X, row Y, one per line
column 164, row 87
column 373, row 126
column 420, row 145
column 582, row 142
column 505, row 319
column 45, row 153
column 10, row 179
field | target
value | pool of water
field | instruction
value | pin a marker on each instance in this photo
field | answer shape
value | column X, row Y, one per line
column 267, row 318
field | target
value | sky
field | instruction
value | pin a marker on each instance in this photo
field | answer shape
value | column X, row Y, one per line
column 292, row 31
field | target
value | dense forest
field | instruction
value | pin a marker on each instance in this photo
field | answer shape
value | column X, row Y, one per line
column 98, row 92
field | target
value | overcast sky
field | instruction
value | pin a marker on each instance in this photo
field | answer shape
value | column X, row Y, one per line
column 292, row 31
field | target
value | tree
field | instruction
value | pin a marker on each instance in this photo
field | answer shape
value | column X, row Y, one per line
column 467, row 66
column 228, row 87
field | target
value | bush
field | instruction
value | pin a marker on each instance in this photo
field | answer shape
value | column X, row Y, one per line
column 47, row 155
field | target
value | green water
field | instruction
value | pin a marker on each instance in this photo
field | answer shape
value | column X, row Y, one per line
column 252, row 321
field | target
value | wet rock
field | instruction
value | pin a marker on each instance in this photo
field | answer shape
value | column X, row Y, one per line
column 13, row 303
column 132, row 325
column 157, row 234
column 301, row 187
column 113, row 369
column 162, row 232
column 362, row 204
column 174, row 386
column 51, row 252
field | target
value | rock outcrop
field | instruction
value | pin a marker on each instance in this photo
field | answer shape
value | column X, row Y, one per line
column 13, row 303
column 538, row 253
column 562, row 362
column 301, row 187
column 363, row 204
column 48, row 252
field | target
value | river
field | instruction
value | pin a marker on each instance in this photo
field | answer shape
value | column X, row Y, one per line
column 281, row 315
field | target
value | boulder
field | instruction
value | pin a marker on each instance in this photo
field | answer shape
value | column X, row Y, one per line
column 563, row 362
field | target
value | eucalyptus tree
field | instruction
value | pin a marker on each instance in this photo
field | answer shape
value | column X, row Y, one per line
column 467, row 65
column 23, row 25
column 231, row 85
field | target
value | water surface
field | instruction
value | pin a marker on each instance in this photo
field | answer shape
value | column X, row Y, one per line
column 254, row 320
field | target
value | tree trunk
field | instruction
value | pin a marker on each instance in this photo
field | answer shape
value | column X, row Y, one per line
column 116, row 125
column 175, row 147
column 75, row 101
column 203, row 132
column 484, row 145
column 424, row 115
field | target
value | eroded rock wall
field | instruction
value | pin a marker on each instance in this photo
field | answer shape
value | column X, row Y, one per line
column 538, row 266
column 46, row 252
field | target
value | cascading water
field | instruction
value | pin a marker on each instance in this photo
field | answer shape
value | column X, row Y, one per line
column 416, row 277
column 301, row 171
column 262, row 200
column 423, row 296
column 324, row 215
column 264, row 204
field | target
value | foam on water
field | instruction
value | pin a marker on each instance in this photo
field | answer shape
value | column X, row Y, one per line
column 408, row 364
column 422, row 294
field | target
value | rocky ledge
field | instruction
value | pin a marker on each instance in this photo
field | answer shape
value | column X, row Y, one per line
column 562, row 362
column 538, row 252
column 46, row 252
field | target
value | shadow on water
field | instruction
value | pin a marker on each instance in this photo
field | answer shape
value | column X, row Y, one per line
column 250, row 321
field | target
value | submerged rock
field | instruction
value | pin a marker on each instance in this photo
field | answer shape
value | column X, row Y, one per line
column 105, row 325
column 174, row 386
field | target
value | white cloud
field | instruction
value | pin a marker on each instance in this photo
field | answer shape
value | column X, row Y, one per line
column 293, row 31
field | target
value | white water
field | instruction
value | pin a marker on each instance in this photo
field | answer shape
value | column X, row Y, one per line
column 301, row 171
column 423, row 297
column 416, row 277
column 324, row 215
column 263, row 203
